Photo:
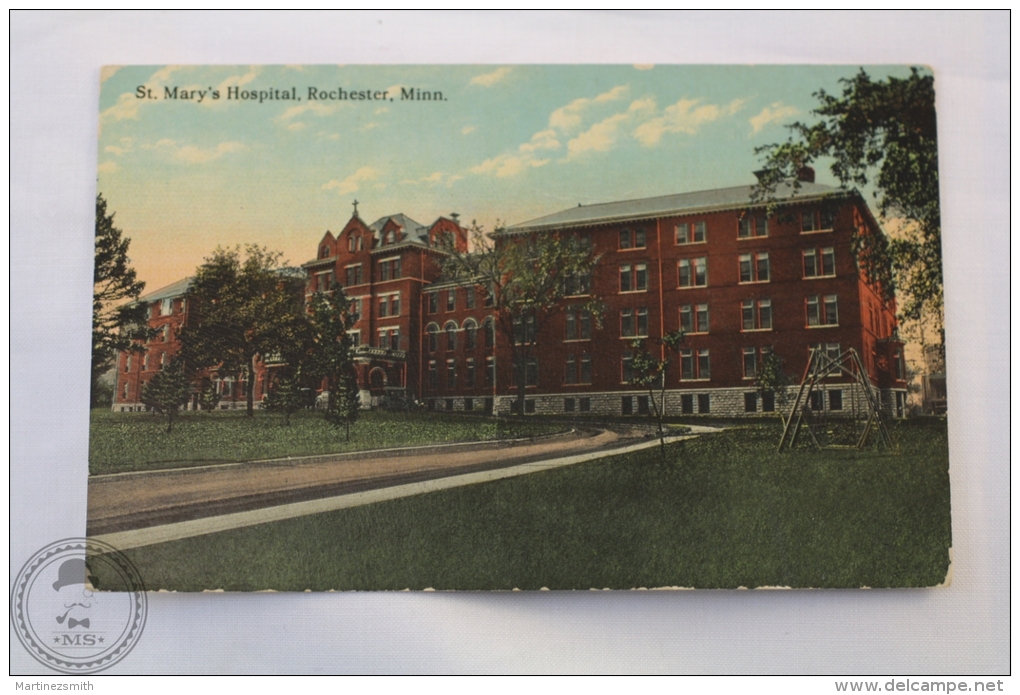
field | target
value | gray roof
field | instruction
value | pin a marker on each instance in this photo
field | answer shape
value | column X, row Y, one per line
column 414, row 232
column 666, row 205
column 177, row 289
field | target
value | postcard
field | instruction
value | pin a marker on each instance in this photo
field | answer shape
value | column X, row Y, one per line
column 518, row 327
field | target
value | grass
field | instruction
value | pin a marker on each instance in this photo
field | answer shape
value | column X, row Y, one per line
column 724, row 511
column 121, row 442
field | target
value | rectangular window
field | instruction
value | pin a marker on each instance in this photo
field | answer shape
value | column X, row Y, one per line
column 687, row 365
column 817, row 401
column 642, row 322
column 568, row 405
column 756, row 315
column 530, row 373
column 585, row 368
column 389, row 269
column 529, row 405
column 394, row 305
column 584, row 404
column 750, row 363
column 754, row 267
column 634, row 278
column 394, row 339
column 628, row 366
column 354, row 337
column 571, row 324
column 642, row 405
column 819, row 262
column 627, row 405
column 692, row 272
column 577, row 284
column 451, row 374
column 687, row 233
column 826, row 216
column 433, row 302
column 433, row 375
column 578, row 324
column 753, row 227
column 687, row 404
column 355, row 309
column 704, row 403
column 166, row 307
column 570, row 376
column 632, row 239
column 490, row 371
column 704, row 369
column 451, row 300
column 701, row 318
column 627, row 323
column 807, row 221
column 352, row 275
column 686, row 319
column 836, row 399
column 469, row 404
column 822, row 310
column 384, row 303
column 469, row 297
column 751, row 402
column 469, row 373
column 768, row 403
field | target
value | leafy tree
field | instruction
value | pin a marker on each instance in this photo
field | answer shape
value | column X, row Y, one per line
column 287, row 397
column 772, row 380
column 244, row 305
column 649, row 371
column 168, row 391
column 525, row 279
column 882, row 132
column 329, row 355
column 208, row 399
column 117, row 322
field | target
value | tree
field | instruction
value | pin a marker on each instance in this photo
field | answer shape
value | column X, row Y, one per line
column 287, row 397
column 772, row 380
column 168, row 391
column 329, row 355
column 525, row 279
column 242, row 306
column 117, row 321
column 882, row 132
column 648, row 371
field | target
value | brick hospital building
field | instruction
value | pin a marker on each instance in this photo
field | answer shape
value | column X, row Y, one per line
column 739, row 282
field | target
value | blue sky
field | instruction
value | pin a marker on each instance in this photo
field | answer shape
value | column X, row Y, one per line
column 506, row 143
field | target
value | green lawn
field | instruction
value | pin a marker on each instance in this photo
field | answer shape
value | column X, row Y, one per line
column 725, row 510
column 138, row 441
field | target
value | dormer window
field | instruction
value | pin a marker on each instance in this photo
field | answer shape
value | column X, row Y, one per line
column 353, row 242
column 324, row 252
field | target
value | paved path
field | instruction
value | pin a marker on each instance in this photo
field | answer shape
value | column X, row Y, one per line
column 143, row 509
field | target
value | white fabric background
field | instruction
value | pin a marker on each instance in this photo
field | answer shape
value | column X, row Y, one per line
column 55, row 61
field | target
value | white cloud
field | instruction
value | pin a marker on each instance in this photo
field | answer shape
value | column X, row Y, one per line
column 353, row 182
column 567, row 118
column 296, row 126
column 468, row 129
column 525, row 157
column 113, row 149
column 108, row 167
column 435, row 178
column 685, row 116
column 603, row 135
column 771, row 114
column 381, row 110
column 491, row 78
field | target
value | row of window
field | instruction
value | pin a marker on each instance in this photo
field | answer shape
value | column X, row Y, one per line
column 749, row 227
column 451, row 374
column 753, row 267
column 167, row 307
column 148, row 362
column 470, row 331
column 448, row 299
column 389, row 269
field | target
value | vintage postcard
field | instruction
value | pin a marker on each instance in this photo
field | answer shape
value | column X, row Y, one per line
column 519, row 327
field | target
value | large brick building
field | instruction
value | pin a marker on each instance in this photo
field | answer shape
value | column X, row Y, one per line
column 738, row 282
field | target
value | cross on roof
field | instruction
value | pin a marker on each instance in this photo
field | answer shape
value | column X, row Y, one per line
column 355, row 207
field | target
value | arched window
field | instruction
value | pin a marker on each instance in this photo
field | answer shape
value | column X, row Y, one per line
column 324, row 252
column 489, row 328
column 352, row 242
column 433, row 331
column 451, row 336
column 470, row 334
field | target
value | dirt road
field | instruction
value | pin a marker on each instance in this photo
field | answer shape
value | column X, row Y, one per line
column 139, row 500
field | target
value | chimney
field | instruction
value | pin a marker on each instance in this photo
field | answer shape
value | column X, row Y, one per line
column 806, row 174
column 455, row 216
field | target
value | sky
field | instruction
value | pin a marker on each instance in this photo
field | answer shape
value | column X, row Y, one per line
column 496, row 144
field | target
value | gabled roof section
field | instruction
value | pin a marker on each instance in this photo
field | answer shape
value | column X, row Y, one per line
column 177, row 289
column 666, row 206
column 414, row 232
